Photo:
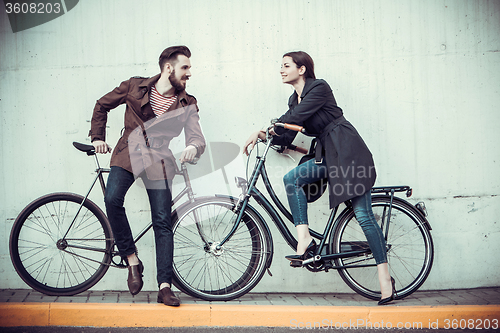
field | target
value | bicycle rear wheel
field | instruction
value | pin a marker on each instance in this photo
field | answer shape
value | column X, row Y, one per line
column 52, row 262
column 410, row 249
column 203, row 270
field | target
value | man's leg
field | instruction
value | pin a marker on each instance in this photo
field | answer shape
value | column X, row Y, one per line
column 160, row 199
column 119, row 182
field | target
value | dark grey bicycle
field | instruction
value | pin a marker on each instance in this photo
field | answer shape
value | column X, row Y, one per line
column 223, row 245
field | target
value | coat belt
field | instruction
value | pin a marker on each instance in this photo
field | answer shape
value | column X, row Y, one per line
column 318, row 155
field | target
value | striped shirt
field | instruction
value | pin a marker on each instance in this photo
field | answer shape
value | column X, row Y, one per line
column 160, row 103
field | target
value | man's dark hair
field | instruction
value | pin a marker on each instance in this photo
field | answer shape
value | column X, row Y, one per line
column 171, row 53
column 303, row 59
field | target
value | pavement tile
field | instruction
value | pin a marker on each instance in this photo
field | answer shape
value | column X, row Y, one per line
column 39, row 297
column 319, row 300
column 124, row 298
column 153, row 296
column 345, row 300
column 102, row 297
column 141, row 298
column 284, row 300
column 14, row 295
column 410, row 302
column 491, row 297
column 480, row 297
column 71, row 299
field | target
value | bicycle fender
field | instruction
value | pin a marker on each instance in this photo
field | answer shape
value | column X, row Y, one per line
column 403, row 202
column 264, row 223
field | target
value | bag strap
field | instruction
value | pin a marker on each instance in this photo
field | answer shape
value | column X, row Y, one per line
column 312, row 147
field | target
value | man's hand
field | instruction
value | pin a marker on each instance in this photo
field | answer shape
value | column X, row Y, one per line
column 101, row 147
column 188, row 154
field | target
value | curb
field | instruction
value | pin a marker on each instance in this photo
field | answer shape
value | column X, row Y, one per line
column 292, row 316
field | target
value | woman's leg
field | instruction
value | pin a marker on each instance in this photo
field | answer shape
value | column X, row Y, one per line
column 362, row 206
column 384, row 279
column 304, row 238
column 305, row 173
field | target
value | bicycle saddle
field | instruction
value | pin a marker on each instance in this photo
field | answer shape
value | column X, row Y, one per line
column 89, row 149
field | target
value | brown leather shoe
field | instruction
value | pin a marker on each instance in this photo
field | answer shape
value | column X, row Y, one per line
column 134, row 280
column 167, row 297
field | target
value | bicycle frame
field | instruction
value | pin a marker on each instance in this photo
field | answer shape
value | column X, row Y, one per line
column 187, row 190
column 253, row 192
column 249, row 190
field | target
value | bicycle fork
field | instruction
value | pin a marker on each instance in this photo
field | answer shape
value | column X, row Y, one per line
column 246, row 190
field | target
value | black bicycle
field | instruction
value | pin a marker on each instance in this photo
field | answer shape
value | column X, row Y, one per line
column 61, row 244
column 223, row 245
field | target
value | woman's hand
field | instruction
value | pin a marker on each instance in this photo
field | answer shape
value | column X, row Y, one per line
column 252, row 140
column 188, row 154
column 101, row 147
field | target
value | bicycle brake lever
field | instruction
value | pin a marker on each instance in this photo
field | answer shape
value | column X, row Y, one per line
column 288, row 155
column 193, row 162
column 282, row 150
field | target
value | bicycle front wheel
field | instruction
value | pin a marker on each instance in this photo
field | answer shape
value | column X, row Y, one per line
column 410, row 249
column 203, row 268
column 60, row 247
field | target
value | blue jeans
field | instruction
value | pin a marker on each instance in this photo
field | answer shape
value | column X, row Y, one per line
column 160, row 200
column 310, row 172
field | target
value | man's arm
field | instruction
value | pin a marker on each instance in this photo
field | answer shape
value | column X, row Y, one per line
column 195, row 141
column 100, row 116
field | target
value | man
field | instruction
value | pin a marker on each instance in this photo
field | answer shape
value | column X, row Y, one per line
column 157, row 110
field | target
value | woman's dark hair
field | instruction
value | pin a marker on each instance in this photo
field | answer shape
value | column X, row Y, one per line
column 303, row 59
column 171, row 53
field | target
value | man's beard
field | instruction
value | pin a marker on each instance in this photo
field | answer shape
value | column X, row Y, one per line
column 177, row 83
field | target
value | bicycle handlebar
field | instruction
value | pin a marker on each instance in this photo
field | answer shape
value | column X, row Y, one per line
column 90, row 150
column 296, row 128
column 292, row 127
column 298, row 149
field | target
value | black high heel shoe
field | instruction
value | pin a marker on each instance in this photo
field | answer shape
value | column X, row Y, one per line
column 296, row 257
column 392, row 297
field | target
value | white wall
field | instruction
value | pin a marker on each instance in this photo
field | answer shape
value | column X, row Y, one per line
column 419, row 80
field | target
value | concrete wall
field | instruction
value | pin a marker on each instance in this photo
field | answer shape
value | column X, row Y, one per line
column 419, row 80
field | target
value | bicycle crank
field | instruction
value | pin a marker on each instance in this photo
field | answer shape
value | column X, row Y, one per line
column 311, row 260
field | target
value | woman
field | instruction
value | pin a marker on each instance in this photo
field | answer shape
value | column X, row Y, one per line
column 341, row 156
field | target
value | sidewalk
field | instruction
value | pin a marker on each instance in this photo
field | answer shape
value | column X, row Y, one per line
column 478, row 308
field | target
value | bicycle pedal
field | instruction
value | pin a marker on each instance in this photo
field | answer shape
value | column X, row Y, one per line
column 295, row 263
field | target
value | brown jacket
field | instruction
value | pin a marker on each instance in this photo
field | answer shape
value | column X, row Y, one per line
column 145, row 139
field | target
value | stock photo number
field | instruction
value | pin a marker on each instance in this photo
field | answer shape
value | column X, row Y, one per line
column 470, row 324
column 32, row 8
column 26, row 15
